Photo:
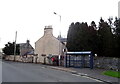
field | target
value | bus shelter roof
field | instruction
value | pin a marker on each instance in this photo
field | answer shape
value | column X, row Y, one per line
column 79, row 53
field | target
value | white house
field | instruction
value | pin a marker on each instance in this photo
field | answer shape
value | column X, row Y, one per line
column 48, row 45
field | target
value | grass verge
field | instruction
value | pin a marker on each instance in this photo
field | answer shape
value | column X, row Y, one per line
column 112, row 73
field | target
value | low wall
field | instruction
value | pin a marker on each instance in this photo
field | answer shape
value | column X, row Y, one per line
column 9, row 57
column 109, row 63
column 27, row 59
column 19, row 58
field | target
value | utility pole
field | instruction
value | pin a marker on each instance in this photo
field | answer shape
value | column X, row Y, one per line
column 59, row 37
column 15, row 45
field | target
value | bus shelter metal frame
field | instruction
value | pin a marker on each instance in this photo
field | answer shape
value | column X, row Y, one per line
column 79, row 53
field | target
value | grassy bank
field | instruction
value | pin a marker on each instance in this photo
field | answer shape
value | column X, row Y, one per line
column 112, row 73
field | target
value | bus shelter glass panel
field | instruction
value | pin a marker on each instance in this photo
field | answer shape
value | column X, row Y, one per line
column 71, row 60
column 81, row 61
column 77, row 61
column 87, row 61
column 67, row 61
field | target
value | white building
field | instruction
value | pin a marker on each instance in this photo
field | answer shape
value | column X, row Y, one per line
column 48, row 45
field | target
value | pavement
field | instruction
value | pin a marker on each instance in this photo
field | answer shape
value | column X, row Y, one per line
column 94, row 73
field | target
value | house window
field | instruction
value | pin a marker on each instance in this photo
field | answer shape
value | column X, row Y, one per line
column 43, row 54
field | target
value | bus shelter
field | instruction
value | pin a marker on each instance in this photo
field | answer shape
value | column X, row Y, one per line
column 79, row 59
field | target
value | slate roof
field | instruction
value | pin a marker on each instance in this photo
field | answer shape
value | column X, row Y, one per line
column 62, row 39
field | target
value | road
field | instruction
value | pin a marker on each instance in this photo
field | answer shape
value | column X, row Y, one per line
column 29, row 72
column 0, row 70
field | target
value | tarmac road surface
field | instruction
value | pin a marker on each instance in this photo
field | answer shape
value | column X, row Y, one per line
column 29, row 72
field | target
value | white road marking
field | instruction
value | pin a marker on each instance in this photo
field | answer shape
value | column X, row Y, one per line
column 42, row 67
column 79, row 74
column 75, row 74
column 92, row 78
column 82, row 74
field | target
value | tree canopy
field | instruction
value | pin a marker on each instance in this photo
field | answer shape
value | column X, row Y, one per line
column 9, row 49
column 100, row 39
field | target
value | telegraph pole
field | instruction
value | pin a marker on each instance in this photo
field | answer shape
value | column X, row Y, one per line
column 15, row 45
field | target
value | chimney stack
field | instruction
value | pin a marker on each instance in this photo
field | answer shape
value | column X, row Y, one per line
column 48, row 30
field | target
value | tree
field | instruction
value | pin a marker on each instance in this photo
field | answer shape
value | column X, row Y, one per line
column 99, row 39
column 9, row 49
column 93, row 37
column 93, row 24
column 81, row 37
column 117, row 26
column 117, row 37
column 105, row 39
column 110, row 20
column 70, row 37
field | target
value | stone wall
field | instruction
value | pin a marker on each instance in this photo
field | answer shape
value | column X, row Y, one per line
column 18, row 58
column 9, row 57
column 29, row 58
column 109, row 63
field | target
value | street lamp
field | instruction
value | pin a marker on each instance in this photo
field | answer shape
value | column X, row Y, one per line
column 59, row 36
column 58, row 15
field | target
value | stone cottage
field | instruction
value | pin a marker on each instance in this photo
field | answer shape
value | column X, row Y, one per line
column 26, row 48
column 48, row 46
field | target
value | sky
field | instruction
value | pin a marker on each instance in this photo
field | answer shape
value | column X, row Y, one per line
column 29, row 17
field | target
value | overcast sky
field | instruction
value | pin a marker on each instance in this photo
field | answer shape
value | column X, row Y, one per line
column 29, row 17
